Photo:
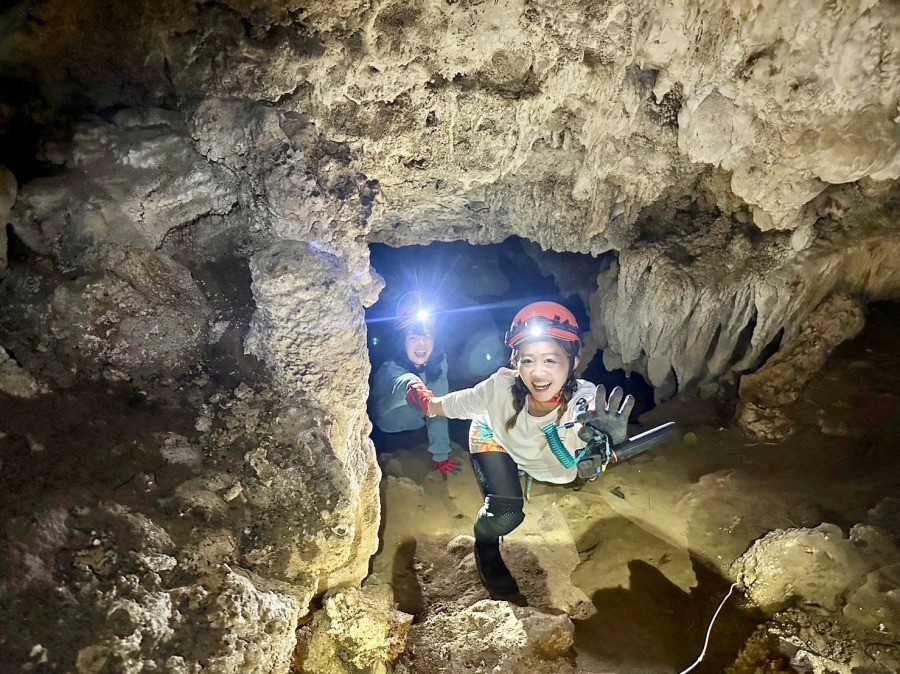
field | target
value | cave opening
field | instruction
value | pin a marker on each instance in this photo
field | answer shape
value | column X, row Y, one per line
column 655, row 575
column 475, row 290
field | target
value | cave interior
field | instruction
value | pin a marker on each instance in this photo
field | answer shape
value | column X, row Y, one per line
column 208, row 213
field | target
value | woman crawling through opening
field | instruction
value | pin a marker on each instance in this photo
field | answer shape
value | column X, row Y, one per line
column 512, row 412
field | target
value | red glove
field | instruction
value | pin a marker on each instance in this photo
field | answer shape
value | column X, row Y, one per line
column 418, row 395
column 448, row 467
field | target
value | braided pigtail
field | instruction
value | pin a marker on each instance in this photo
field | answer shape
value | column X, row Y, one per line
column 565, row 396
column 519, row 393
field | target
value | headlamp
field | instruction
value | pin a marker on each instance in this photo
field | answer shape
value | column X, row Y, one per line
column 412, row 309
column 538, row 326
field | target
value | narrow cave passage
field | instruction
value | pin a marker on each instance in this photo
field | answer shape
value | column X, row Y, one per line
column 474, row 292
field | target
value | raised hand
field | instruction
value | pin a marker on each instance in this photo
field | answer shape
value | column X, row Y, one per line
column 609, row 417
column 418, row 395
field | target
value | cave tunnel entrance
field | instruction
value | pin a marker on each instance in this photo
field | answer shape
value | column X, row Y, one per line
column 475, row 291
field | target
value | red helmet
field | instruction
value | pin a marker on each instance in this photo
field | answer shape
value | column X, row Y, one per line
column 543, row 319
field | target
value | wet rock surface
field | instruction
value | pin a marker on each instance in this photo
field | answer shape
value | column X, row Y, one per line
column 822, row 568
column 489, row 636
column 354, row 631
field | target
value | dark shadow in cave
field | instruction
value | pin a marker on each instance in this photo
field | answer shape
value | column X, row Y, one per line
column 852, row 404
column 407, row 590
column 655, row 623
column 226, row 282
column 31, row 122
column 108, row 420
column 98, row 440
column 17, row 251
column 475, row 292
column 10, row 244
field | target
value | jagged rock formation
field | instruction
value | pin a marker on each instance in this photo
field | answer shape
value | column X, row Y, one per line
column 193, row 183
column 821, row 567
column 822, row 571
column 767, row 392
column 15, row 380
column 301, row 296
column 124, row 607
column 355, row 631
column 796, row 640
column 489, row 636
column 563, row 131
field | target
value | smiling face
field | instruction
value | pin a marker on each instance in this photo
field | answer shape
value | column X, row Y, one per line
column 419, row 347
column 543, row 366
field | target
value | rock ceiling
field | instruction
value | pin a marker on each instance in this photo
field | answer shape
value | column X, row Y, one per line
column 724, row 152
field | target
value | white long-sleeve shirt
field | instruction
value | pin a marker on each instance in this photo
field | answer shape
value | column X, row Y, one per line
column 491, row 402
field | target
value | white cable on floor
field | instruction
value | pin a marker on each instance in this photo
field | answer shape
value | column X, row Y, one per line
column 709, row 630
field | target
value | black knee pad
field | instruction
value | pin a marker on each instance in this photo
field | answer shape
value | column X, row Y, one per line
column 498, row 516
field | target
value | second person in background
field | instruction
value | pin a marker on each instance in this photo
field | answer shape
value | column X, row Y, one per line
column 417, row 361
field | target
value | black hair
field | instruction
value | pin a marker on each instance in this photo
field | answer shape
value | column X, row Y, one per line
column 520, row 391
column 431, row 369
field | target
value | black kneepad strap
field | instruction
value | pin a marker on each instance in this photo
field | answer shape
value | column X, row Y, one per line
column 500, row 506
column 498, row 516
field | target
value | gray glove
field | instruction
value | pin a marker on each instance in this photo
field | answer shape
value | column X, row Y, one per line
column 611, row 417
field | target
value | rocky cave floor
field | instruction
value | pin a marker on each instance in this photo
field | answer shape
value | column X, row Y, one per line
column 659, row 538
column 639, row 558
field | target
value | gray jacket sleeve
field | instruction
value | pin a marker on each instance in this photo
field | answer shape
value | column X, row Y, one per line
column 392, row 414
column 438, row 430
column 390, row 411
